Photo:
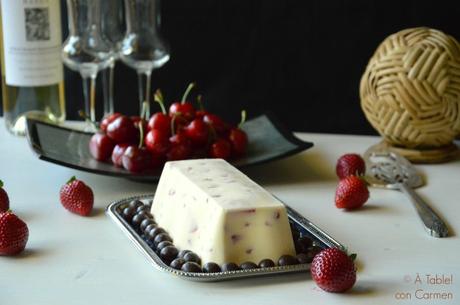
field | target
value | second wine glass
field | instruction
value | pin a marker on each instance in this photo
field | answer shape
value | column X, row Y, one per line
column 113, row 29
column 142, row 48
column 85, row 50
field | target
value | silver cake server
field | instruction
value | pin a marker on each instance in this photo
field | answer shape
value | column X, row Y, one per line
column 390, row 170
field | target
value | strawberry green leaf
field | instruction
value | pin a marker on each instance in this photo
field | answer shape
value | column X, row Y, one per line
column 72, row 179
column 364, row 178
column 353, row 256
column 1, row 183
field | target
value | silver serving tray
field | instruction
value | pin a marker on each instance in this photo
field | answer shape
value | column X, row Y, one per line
column 318, row 236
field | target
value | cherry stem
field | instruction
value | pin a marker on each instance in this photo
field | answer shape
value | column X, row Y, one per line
column 199, row 100
column 72, row 179
column 173, row 121
column 85, row 116
column 145, row 110
column 243, row 118
column 186, row 93
column 141, row 134
column 158, row 97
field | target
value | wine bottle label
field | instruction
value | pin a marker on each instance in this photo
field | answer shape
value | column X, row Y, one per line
column 32, row 42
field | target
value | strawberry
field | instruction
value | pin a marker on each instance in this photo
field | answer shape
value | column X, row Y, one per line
column 13, row 234
column 350, row 164
column 351, row 193
column 4, row 200
column 333, row 270
column 77, row 197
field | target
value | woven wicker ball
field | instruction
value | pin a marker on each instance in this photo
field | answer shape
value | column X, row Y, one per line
column 410, row 91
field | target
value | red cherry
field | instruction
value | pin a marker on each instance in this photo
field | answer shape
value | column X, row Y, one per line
column 180, row 138
column 160, row 121
column 239, row 141
column 200, row 114
column 216, row 122
column 174, row 108
column 100, row 146
column 122, row 130
column 179, row 121
column 157, row 142
column 107, row 120
column 197, row 131
column 183, row 107
column 136, row 159
column 185, row 110
column 221, row 149
column 179, row 124
column 179, row 151
column 136, row 119
column 158, row 160
column 117, row 154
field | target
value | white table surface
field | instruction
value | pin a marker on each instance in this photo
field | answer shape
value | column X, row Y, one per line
column 77, row 260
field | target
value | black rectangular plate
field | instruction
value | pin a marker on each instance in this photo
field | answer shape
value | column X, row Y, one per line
column 268, row 141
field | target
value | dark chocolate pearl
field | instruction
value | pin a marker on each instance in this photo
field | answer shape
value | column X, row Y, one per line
column 161, row 237
column 145, row 223
column 149, row 228
column 230, row 267
column 142, row 208
column 164, row 244
column 146, row 214
column 304, row 258
column 128, row 213
column 266, row 263
column 183, row 252
column 168, row 254
column 192, row 257
column 248, row 265
column 211, row 267
column 177, row 263
column 135, row 204
column 151, row 232
column 154, row 232
column 302, row 244
column 191, row 267
column 286, row 260
column 136, row 221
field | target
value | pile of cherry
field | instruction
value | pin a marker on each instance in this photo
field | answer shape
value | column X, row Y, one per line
column 184, row 132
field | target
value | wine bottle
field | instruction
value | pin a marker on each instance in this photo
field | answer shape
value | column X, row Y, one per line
column 32, row 69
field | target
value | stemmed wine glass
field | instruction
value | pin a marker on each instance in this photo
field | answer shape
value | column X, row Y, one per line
column 142, row 48
column 85, row 50
column 113, row 29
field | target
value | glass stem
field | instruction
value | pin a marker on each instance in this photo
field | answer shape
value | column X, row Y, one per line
column 89, row 92
column 107, row 84
column 144, row 93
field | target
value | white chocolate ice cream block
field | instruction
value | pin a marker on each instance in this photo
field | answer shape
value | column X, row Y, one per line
column 210, row 207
